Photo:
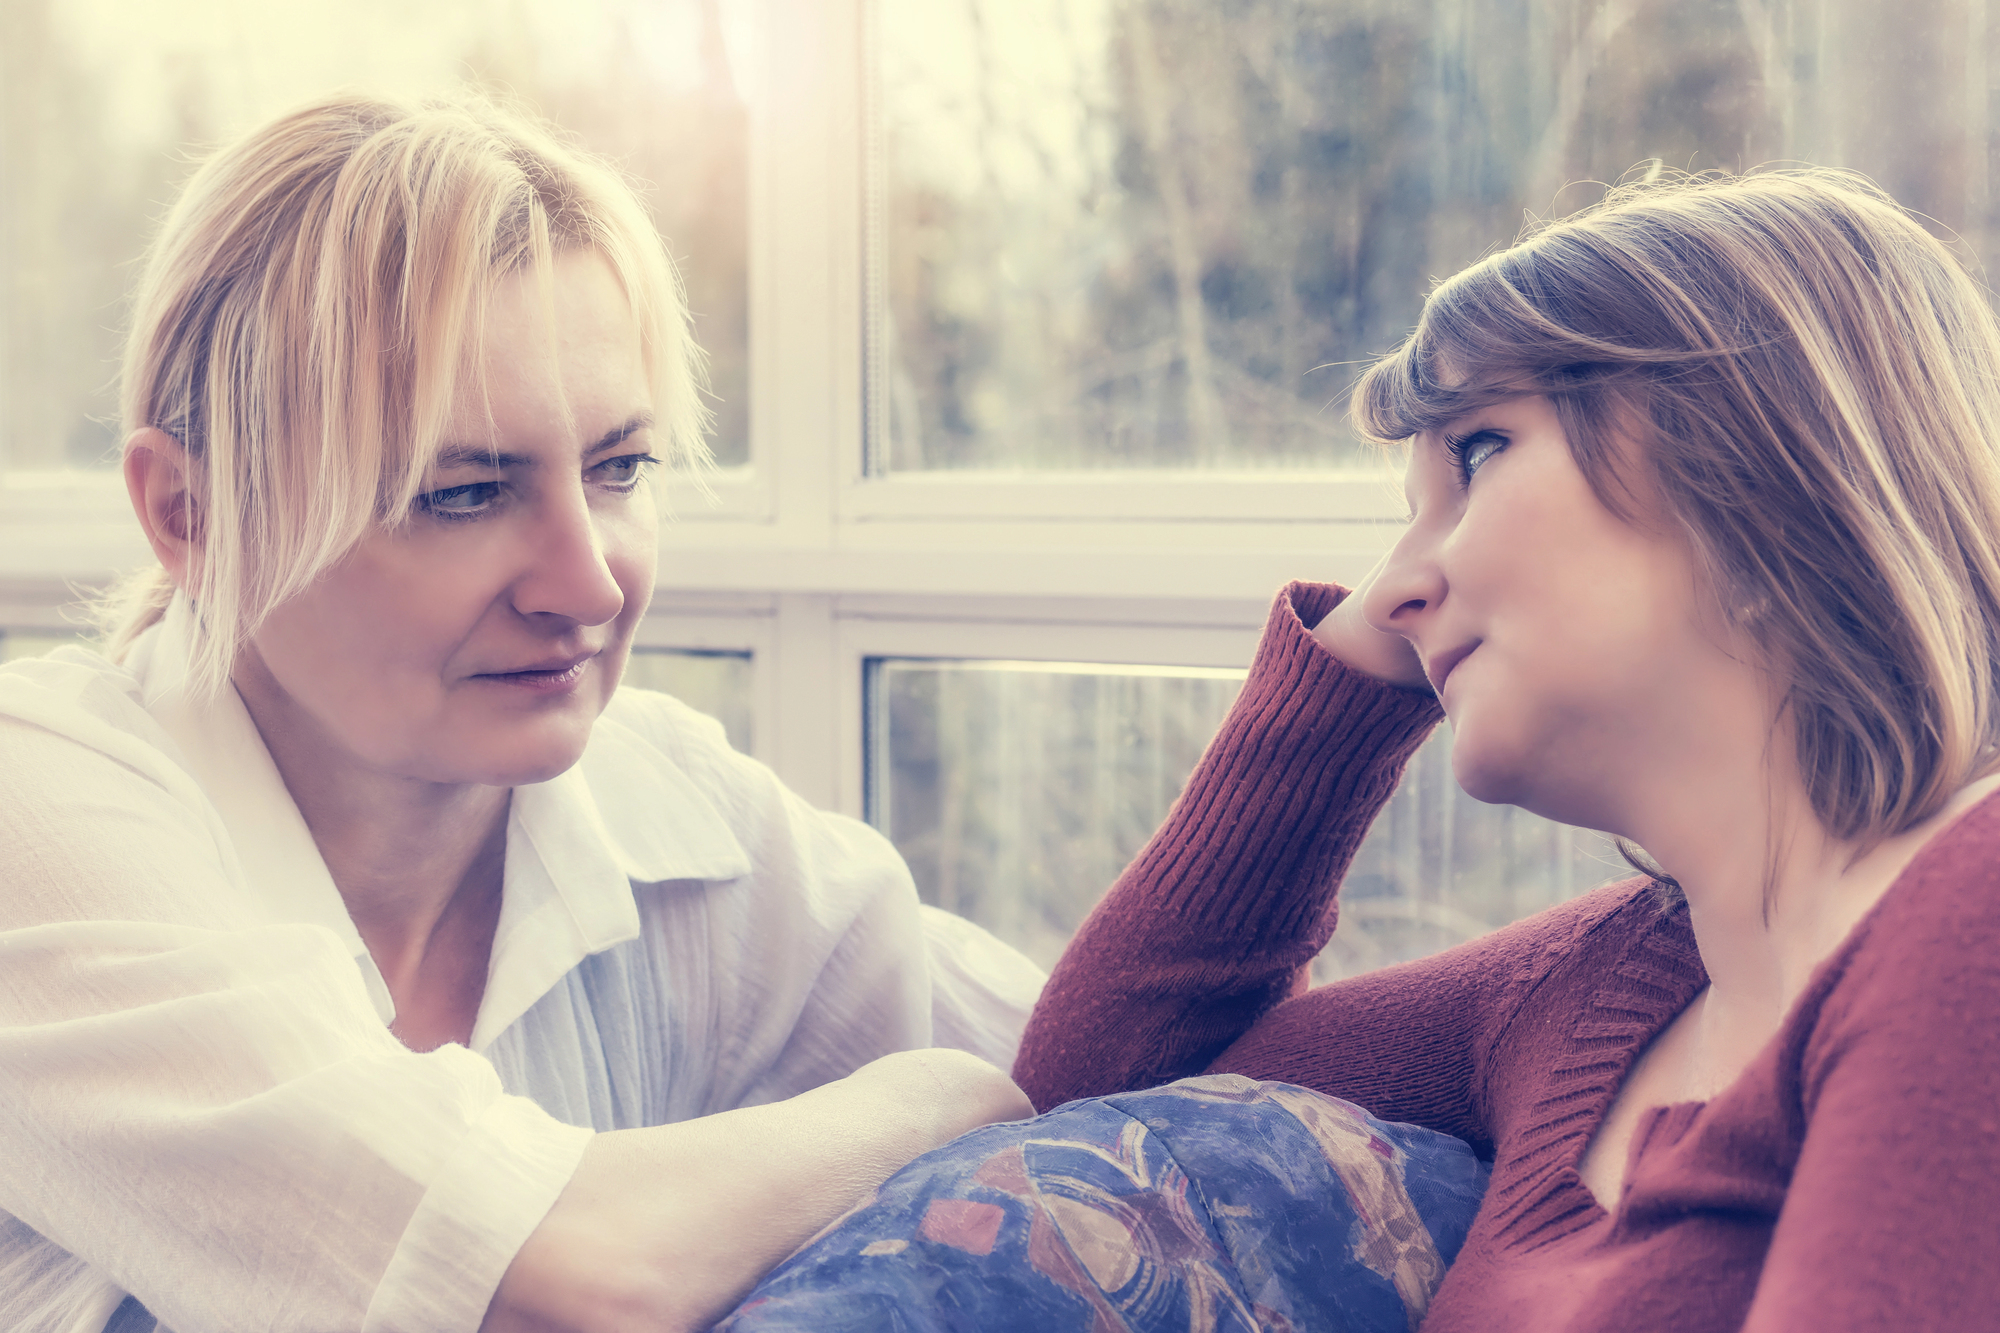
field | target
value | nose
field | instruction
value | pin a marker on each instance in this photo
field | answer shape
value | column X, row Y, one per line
column 1409, row 583
column 567, row 573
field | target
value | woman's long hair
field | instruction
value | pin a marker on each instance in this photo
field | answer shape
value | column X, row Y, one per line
column 312, row 304
column 1790, row 370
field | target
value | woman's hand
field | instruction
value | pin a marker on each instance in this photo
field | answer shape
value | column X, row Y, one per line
column 1349, row 637
column 665, row 1230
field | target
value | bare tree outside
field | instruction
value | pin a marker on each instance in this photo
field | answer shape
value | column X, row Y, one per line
column 1166, row 233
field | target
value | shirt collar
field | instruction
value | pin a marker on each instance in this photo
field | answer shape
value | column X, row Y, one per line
column 575, row 844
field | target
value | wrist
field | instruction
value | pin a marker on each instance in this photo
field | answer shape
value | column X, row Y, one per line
column 937, row 1095
column 1346, row 633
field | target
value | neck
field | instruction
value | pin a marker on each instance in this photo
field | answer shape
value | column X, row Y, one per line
column 1757, row 867
column 1771, row 891
column 418, row 863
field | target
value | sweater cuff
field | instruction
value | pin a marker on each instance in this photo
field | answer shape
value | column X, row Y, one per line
column 1290, row 784
column 493, row 1192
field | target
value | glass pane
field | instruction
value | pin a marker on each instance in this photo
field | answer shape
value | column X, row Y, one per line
column 103, row 107
column 1163, row 233
column 1018, row 791
column 1440, row 868
column 718, row 684
column 16, row 643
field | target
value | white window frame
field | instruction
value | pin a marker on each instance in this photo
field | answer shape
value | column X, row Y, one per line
column 812, row 565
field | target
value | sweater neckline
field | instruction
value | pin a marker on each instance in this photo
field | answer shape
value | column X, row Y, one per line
column 1543, row 1197
column 1658, row 973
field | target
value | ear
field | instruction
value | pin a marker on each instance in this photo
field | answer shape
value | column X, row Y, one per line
column 157, row 479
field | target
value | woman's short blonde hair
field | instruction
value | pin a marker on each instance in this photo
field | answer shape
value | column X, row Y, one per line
column 1791, row 371
column 307, row 312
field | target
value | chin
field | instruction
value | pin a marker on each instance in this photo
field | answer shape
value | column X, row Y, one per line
column 1489, row 772
column 539, row 764
column 516, row 761
column 528, row 775
column 515, row 748
column 1539, row 779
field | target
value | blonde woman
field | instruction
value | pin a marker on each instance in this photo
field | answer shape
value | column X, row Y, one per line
column 368, row 960
column 1704, row 551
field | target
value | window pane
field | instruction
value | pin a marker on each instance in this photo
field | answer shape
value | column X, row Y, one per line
column 718, row 684
column 103, row 106
column 1018, row 791
column 15, row 643
column 1162, row 233
column 1440, row 868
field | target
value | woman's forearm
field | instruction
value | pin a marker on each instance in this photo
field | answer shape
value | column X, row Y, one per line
column 665, row 1229
column 1209, row 927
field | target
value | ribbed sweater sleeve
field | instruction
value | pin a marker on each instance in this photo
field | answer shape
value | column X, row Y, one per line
column 1215, row 921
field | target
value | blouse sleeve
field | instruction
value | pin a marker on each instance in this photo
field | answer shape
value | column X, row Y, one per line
column 209, row 1112
column 822, row 957
column 981, row 989
column 1215, row 922
column 880, row 973
column 871, row 970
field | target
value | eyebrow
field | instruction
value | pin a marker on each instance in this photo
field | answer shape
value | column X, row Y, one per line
column 473, row 455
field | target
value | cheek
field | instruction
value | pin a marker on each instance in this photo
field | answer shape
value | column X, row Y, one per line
column 373, row 620
column 631, row 543
column 631, row 553
column 1570, row 607
column 423, row 609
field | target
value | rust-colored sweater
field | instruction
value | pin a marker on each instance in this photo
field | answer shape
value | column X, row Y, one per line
column 1848, row 1180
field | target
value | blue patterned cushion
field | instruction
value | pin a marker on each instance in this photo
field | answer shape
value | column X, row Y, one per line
column 1211, row 1204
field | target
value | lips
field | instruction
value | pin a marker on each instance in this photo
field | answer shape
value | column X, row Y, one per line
column 1439, row 668
column 547, row 668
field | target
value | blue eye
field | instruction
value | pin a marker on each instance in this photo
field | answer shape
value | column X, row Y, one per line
column 467, row 501
column 624, row 472
column 1468, row 452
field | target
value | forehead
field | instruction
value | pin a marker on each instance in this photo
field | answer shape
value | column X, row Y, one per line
column 578, row 302
column 1510, row 414
column 556, row 352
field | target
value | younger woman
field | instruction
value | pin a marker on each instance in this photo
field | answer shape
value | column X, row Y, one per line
column 1704, row 551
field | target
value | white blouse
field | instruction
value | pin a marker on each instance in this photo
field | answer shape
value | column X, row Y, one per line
column 200, row 1099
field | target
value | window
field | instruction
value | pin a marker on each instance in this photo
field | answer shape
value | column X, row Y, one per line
column 1110, row 237
column 1031, row 322
column 1018, row 790
column 718, row 683
column 31, row 642
column 105, row 106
